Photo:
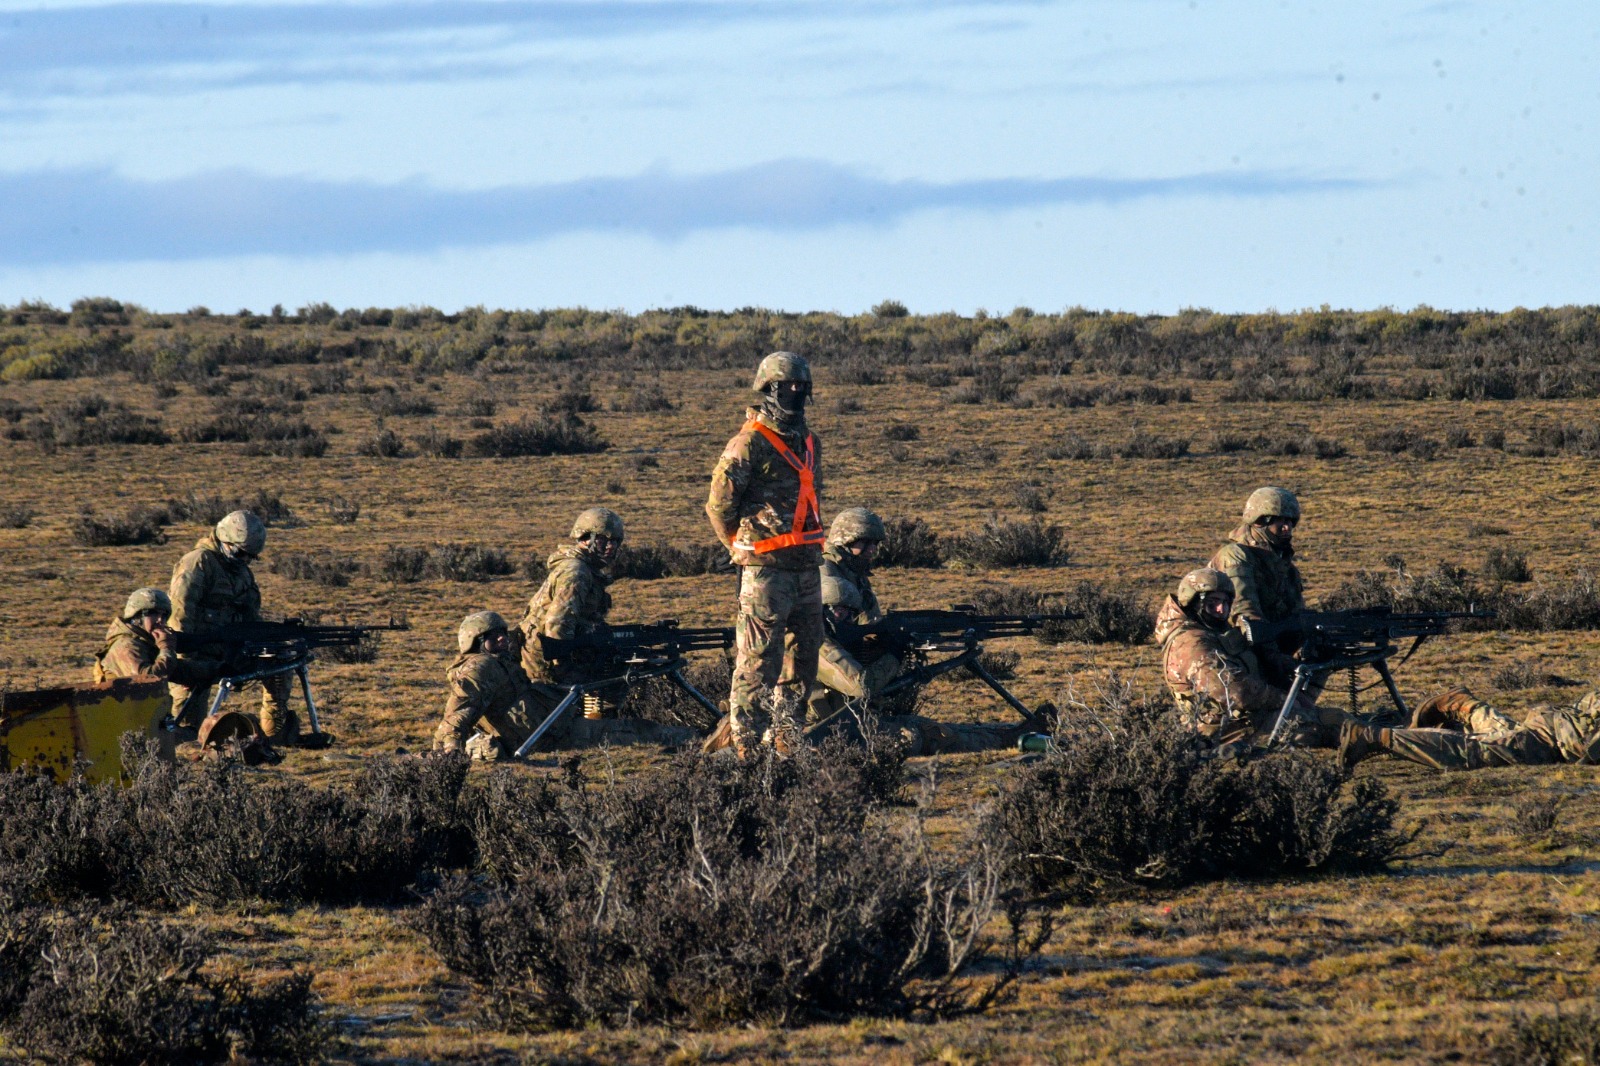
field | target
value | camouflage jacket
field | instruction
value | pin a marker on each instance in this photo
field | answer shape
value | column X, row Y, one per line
column 209, row 590
column 130, row 651
column 481, row 684
column 1213, row 675
column 1574, row 732
column 1266, row 583
column 754, row 493
column 572, row 602
column 837, row 669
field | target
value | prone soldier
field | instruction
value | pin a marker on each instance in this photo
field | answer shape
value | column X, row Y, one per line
column 212, row 588
column 1216, row 677
column 764, row 507
column 1457, row 731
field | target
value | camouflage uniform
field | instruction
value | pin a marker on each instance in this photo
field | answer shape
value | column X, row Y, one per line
column 842, row 678
column 210, row 591
column 487, row 689
column 572, row 602
column 1218, row 683
column 1486, row 737
column 131, row 651
column 1267, row 585
column 754, row 496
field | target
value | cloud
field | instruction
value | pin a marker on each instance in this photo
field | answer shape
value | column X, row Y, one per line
column 180, row 46
column 84, row 216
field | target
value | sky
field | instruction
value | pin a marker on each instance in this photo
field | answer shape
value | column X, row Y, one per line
column 1137, row 155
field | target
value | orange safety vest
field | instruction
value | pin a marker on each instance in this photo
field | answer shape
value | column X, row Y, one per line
column 806, row 509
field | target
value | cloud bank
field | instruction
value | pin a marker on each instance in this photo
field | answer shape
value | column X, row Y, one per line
column 85, row 216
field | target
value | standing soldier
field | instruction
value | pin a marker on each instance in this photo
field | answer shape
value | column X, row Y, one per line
column 764, row 508
column 1259, row 562
column 212, row 588
column 573, row 601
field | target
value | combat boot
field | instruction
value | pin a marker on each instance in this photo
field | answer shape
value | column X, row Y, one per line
column 1447, row 710
column 1358, row 742
column 721, row 737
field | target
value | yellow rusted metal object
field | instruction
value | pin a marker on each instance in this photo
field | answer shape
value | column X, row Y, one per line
column 51, row 729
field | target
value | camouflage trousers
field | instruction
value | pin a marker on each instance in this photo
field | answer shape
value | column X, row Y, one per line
column 920, row 735
column 776, row 643
column 573, row 731
column 1489, row 739
column 455, row 731
column 840, row 678
column 190, row 703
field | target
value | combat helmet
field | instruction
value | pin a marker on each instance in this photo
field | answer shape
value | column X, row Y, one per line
column 782, row 366
column 598, row 520
column 856, row 523
column 475, row 626
column 1267, row 502
column 143, row 600
column 837, row 593
column 243, row 529
column 1196, row 583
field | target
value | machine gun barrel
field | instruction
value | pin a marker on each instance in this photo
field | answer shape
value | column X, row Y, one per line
column 665, row 637
column 911, row 628
column 1363, row 625
column 289, row 634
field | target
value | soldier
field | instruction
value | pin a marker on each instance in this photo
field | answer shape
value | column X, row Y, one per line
column 486, row 686
column 138, row 642
column 763, row 506
column 1259, row 561
column 212, row 588
column 489, row 689
column 1216, row 677
column 842, row 679
column 573, row 601
column 1456, row 731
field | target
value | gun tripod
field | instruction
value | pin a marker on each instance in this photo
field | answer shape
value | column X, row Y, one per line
column 227, row 685
column 672, row 671
column 1377, row 658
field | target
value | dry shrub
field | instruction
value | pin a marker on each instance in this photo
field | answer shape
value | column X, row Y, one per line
column 1398, row 439
column 111, row 988
column 208, row 509
column 1536, row 815
column 901, row 431
column 1308, row 444
column 1058, row 394
column 216, row 832
column 16, row 516
column 559, row 432
column 657, row 559
column 437, row 445
column 656, row 699
column 1002, row 544
column 1129, row 799
column 1517, row 674
column 1503, row 564
column 330, row 570
column 1107, row 616
column 1570, row 1038
column 383, row 444
column 1573, row 603
column 92, row 420
column 389, row 402
column 343, row 510
column 262, row 433
column 643, row 399
column 708, row 892
column 449, row 562
column 909, row 543
column 138, row 525
column 1149, row 446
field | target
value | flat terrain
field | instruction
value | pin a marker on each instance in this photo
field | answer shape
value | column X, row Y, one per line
column 1423, row 964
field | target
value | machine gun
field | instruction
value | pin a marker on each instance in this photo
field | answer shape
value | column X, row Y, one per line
column 1335, row 640
column 255, row 650
column 622, row 654
column 919, row 635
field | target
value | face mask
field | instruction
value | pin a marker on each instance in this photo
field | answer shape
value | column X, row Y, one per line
column 791, row 402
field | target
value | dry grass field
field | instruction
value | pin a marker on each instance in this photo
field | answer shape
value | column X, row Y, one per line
column 1483, row 920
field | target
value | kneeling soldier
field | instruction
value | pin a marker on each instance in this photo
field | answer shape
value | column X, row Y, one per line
column 1215, row 676
column 138, row 642
column 213, row 588
column 1456, row 731
column 486, row 686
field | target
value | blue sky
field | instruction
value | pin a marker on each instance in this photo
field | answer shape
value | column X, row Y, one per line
column 1141, row 155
